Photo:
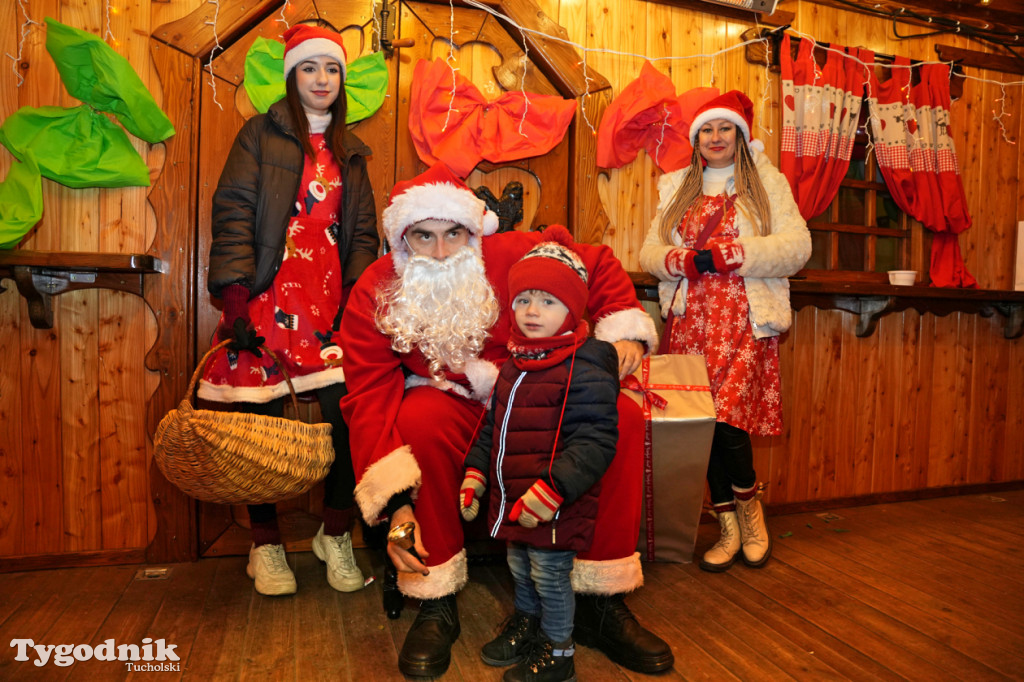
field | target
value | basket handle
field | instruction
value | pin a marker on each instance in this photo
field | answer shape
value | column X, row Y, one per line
column 202, row 365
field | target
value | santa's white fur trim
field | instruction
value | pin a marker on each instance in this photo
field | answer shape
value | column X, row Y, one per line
column 482, row 375
column 605, row 578
column 314, row 47
column 633, row 324
column 440, row 201
column 446, row 579
column 414, row 380
column 393, row 473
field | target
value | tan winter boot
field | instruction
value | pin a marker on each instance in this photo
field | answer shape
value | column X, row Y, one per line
column 720, row 557
column 757, row 542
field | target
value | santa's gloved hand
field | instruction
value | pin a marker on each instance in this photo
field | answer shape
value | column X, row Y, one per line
column 726, row 256
column 473, row 486
column 537, row 505
column 246, row 338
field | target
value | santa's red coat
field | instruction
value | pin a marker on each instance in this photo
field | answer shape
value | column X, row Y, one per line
column 410, row 433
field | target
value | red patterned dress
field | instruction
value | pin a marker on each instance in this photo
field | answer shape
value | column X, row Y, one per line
column 296, row 314
column 743, row 371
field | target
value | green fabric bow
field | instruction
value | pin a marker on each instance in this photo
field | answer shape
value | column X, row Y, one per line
column 78, row 147
column 94, row 73
column 365, row 86
column 21, row 202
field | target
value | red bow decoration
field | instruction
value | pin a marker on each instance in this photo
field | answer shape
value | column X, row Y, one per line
column 631, row 383
column 461, row 128
column 648, row 114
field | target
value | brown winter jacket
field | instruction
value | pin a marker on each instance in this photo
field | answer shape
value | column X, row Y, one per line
column 255, row 199
column 514, row 446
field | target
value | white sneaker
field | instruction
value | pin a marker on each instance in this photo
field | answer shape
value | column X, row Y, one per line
column 336, row 551
column 268, row 566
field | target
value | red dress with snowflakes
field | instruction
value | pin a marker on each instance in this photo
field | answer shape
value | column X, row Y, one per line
column 743, row 371
column 296, row 314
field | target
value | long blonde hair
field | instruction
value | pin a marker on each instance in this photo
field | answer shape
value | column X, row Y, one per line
column 751, row 197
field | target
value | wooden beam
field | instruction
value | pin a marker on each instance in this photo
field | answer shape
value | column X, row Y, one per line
column 981, row 60
column 777, row 18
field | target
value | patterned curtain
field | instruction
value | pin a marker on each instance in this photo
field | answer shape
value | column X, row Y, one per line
column 910, row 129
column 819, row 120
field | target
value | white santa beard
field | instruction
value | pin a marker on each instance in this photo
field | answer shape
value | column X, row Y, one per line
column 444, row 309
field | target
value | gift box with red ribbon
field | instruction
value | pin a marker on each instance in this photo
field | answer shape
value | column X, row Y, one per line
column 679, row 421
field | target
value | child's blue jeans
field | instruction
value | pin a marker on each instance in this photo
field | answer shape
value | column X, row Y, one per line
column 543, row 588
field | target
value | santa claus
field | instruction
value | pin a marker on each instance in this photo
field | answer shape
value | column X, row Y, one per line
column 423, row 334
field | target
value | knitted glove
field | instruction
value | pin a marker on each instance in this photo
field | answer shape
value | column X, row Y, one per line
column 679, row 262
column 246, row 338
column 727, row 256
column 236, row 306
column 538, row 505
column 473, row 486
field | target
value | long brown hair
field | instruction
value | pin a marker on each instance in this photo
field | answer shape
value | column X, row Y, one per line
column 751, row 197
column 335, row 133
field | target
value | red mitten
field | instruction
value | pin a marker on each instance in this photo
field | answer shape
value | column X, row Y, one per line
column 236, row 305
column 537, row 505
column 473, row 486
column 679, row 261
column 726, row 256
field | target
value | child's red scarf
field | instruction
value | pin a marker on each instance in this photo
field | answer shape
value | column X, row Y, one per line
column 530, row 355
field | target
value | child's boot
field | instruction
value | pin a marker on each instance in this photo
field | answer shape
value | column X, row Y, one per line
column 546, row 662
column 514, row 642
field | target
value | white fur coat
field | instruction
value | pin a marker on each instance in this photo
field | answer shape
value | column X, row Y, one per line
column 767, row 261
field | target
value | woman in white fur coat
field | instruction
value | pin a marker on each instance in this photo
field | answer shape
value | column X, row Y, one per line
column 723, row 243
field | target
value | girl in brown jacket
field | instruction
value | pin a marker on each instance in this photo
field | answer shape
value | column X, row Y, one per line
column 294, row 225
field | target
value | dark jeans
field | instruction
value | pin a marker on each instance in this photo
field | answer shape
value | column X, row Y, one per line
column 339, row 486
column 543, row 588
column 731, row 462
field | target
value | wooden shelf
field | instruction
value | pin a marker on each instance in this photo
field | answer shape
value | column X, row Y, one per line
column 871, row 300
column 40, row 275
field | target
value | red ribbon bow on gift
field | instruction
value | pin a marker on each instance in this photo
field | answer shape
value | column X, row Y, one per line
column 631, row 383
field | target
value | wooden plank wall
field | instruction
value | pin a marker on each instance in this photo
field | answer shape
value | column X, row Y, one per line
column 926, row 401
column 74, row 451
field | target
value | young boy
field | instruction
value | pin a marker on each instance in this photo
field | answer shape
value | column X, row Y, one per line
column 548, row 438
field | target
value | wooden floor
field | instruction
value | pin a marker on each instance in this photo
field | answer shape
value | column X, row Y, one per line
column 928, row 590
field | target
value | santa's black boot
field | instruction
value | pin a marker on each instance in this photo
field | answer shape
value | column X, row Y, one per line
column 607, row 624
column 428, row 646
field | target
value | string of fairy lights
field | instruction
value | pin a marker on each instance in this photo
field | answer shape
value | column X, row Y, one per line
column 765, row 97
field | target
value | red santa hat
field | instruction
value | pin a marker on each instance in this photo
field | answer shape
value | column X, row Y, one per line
column 555, row 267
column 305, row 41
column 732, row 106
column 436, row 194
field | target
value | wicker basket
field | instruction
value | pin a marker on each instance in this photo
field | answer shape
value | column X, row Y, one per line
column 236, row 458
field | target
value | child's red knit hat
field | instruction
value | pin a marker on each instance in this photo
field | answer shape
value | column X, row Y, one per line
column 555, row 267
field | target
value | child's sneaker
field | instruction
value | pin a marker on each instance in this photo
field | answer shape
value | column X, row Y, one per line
column 514, row 642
